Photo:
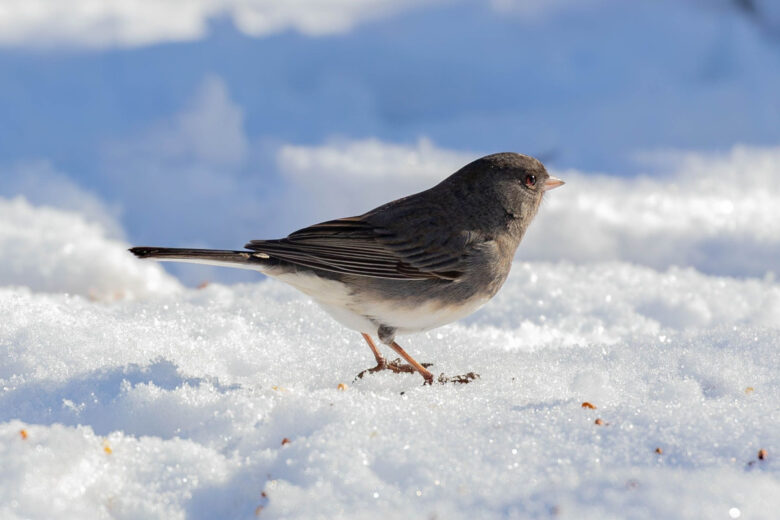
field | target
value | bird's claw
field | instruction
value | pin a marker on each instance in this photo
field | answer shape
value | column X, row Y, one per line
column 395, row 366
column 398, row 367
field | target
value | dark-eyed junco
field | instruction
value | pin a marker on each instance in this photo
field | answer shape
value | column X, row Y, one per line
column 410, row 265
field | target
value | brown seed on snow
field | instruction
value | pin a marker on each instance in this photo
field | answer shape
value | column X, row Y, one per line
column 659, row 451
column 285, row 441
column 599, row 422
column 586, row 404
column 23, row 434
column 342, row 387
column 762, row 454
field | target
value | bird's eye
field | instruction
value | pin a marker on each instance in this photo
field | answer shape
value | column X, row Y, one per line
column 530, row 180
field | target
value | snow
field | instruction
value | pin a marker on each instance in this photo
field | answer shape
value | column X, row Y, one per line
column 124, row 395
column 716, row 213
column 48, row 249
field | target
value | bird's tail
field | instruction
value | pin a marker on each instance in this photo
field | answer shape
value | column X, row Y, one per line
column 241, row 259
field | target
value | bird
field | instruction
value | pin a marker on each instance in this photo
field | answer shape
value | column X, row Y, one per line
column 410, row 265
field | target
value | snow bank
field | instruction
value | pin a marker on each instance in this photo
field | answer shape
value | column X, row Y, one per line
column 52, row 250
column 178, row 406
column 41, row 184
column 720, row 214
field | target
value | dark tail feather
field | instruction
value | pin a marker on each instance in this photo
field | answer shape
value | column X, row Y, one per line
column 243, row 259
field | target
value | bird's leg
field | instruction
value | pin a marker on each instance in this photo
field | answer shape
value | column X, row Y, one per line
column 382, row 364
column 409, row 359
column 387, row 336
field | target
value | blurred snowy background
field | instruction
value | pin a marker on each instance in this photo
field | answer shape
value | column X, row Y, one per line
column 647, row 285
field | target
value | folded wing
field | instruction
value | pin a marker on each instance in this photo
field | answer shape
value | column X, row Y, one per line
column 359, row 247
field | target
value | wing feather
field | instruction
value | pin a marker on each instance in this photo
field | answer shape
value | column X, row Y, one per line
column 355, row 246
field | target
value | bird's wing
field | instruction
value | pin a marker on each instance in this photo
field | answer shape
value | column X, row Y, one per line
column 356, row 246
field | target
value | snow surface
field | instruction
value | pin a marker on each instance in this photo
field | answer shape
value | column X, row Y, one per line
column 132, row 397
column 718, row 213
column 48, row 249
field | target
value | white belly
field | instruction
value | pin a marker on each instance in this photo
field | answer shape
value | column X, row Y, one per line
column 420, row 318
column 333, row 297
column 366, row 316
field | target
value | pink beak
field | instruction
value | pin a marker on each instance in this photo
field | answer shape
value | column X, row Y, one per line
column 552, row 183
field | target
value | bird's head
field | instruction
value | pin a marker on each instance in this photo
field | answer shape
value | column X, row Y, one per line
column 510, row 182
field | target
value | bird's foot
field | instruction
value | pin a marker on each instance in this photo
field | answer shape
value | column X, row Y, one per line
column 395, row 366
column 398, row 367
column 461, row 379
